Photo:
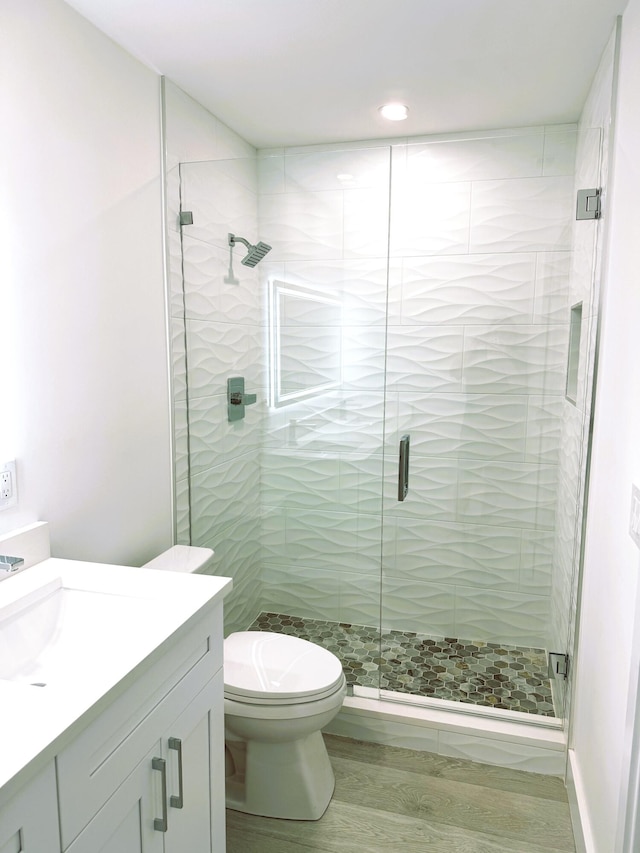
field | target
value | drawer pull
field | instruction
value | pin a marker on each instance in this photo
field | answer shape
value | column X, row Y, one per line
column 177, row 802
column 160, row 823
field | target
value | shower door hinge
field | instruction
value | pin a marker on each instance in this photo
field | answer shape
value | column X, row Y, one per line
column 558, row 665
column 186, row 217
column 588, row 204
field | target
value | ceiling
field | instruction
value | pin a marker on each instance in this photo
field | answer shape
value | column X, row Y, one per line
column 297, row 72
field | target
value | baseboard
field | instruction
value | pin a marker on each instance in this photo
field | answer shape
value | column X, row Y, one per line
column 578, row 807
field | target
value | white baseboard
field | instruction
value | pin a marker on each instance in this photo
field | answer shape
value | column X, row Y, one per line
column 578, row 805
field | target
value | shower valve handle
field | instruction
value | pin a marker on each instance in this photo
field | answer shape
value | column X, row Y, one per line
column 237, row 399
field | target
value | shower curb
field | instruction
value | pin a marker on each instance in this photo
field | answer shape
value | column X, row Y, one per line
column 504, row 743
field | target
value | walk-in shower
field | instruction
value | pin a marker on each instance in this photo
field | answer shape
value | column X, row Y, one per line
column 421, row 289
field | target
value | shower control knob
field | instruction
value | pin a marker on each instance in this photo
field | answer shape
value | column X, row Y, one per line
column 237, row 399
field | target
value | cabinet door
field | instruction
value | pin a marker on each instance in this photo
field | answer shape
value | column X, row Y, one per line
column 29, row 821
column 190, row 752
column 165, row 804
column 189, row 819
column 127, row 822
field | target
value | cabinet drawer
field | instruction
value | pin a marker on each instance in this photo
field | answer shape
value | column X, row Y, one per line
column 91, row 768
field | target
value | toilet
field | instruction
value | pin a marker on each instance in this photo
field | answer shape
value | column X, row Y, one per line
column 279, row 692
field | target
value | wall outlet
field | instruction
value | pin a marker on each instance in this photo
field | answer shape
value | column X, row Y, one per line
column 8, row 485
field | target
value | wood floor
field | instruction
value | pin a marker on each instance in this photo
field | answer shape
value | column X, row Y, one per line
column 390, row 800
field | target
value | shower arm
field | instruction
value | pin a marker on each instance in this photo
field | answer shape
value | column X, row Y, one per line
column 233, row 240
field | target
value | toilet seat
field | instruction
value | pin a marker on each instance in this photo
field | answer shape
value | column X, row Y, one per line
column 263, row 668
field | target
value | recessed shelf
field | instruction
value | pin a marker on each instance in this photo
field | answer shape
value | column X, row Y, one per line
column 573, row 357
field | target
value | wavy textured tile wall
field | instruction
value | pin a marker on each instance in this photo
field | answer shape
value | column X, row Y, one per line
column 468, row 289
column 222, row 197
column 475, row 372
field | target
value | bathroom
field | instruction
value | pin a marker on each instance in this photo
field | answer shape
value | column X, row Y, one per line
column 85, row 233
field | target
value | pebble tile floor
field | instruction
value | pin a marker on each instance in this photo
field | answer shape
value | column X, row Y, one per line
column 489, row 674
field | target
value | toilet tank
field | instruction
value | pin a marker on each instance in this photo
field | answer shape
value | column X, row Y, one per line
column 183, row 558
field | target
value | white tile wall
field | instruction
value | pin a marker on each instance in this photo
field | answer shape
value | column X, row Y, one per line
column 522, row 215
column 303, row 225
column 480, row 242
column 429, row 219
column 217, row 291
column 534, row 759
column 471, row 426
column 468, row 289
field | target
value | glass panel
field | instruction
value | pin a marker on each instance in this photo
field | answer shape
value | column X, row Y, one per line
column 221, row 336
column 476, row 587
column 290, row 497
column 326, row 214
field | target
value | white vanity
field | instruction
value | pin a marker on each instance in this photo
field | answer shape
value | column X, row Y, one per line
column 122, row 748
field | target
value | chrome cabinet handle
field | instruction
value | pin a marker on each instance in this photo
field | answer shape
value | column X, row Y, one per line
column 403, row 468
column 177, row 802
column 161, row 823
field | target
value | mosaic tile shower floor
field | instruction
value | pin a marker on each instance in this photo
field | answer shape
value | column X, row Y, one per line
column 509, row 677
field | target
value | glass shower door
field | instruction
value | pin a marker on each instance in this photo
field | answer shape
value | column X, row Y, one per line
column 290, row 495
column 326, row 281
column 479, row 561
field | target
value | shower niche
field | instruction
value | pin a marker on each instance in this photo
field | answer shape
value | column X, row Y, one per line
column 416, row 288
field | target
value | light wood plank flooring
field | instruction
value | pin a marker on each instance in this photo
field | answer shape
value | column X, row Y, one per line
column 391, row 800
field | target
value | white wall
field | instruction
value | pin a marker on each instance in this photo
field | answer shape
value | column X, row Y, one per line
column 81, row 260
column 612, row 561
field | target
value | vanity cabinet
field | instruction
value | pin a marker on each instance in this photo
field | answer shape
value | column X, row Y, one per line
column 121, row 748
column 29, row 821
column 147, row 775
column 164, row 805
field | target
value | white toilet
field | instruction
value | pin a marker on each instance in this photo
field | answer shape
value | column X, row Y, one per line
column 279, row 692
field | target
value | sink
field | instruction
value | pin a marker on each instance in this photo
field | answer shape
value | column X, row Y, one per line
column 60, row 635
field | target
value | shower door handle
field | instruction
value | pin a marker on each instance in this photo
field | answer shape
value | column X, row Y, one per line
column 403, row 468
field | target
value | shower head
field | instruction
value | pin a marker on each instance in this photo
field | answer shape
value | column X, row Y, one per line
column 255, row 254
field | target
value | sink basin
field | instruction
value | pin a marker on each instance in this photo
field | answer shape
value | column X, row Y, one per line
column 60, row 635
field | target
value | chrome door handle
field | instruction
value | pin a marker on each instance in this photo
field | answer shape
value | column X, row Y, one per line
column 403, row 467
column 160, row 823
column 177, row 802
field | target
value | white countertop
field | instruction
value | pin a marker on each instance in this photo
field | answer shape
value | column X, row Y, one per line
column 124, row 615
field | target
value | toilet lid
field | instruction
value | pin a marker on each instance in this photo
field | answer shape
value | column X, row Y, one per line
column 278, row 667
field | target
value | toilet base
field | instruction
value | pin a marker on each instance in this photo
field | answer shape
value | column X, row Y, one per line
column 292, row 780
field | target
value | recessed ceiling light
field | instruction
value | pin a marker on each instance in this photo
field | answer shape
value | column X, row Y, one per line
column 394, row 112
